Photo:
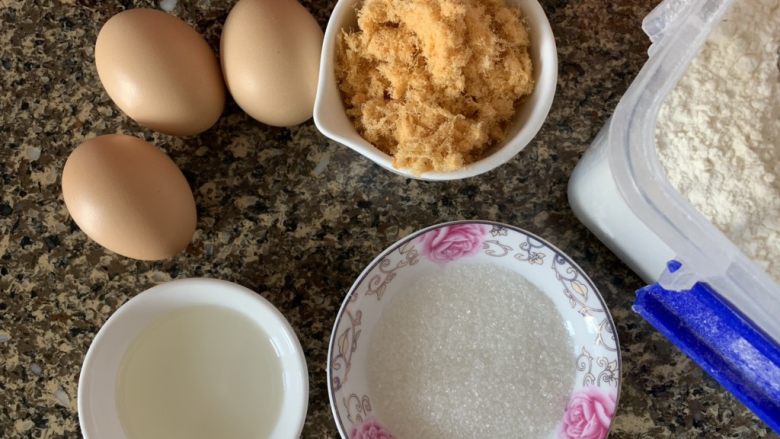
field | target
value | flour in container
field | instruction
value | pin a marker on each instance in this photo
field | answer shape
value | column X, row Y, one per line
column 718, row 132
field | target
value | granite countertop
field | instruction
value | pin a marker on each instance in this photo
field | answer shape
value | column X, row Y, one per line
column 293, row 216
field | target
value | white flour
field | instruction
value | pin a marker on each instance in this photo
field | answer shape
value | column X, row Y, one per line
column 718, row 133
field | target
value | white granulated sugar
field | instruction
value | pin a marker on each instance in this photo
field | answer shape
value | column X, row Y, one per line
column 718, row 133
column 470, row 351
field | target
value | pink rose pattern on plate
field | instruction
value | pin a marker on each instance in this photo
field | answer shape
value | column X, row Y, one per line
column 588, row 414
column 370, row 429
column 449, row 243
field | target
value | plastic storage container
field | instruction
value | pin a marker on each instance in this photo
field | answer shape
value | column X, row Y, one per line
column 620, row 192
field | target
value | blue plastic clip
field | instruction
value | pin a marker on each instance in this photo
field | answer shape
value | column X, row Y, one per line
column 721, row 340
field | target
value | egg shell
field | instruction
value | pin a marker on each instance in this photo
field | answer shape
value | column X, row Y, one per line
column 270, row 52
column 160, row 72
column 130, row 197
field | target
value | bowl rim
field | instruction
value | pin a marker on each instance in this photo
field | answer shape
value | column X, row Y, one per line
column 294, row 364
column 511, row 146
column 414, row 235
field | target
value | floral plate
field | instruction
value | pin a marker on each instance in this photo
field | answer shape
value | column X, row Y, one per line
column 593, row 401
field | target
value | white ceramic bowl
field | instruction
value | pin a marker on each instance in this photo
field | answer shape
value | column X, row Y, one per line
column 331, row 119
column 98, row 415
column 596, row 367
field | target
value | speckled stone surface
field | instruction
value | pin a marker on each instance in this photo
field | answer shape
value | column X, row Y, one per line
column 292, row 216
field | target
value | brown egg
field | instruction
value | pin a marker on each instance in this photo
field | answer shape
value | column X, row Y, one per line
column 270, row 51
column 130, row 197
column 160, row 72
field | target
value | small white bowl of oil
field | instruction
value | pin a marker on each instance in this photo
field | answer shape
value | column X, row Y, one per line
column 194, row 358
